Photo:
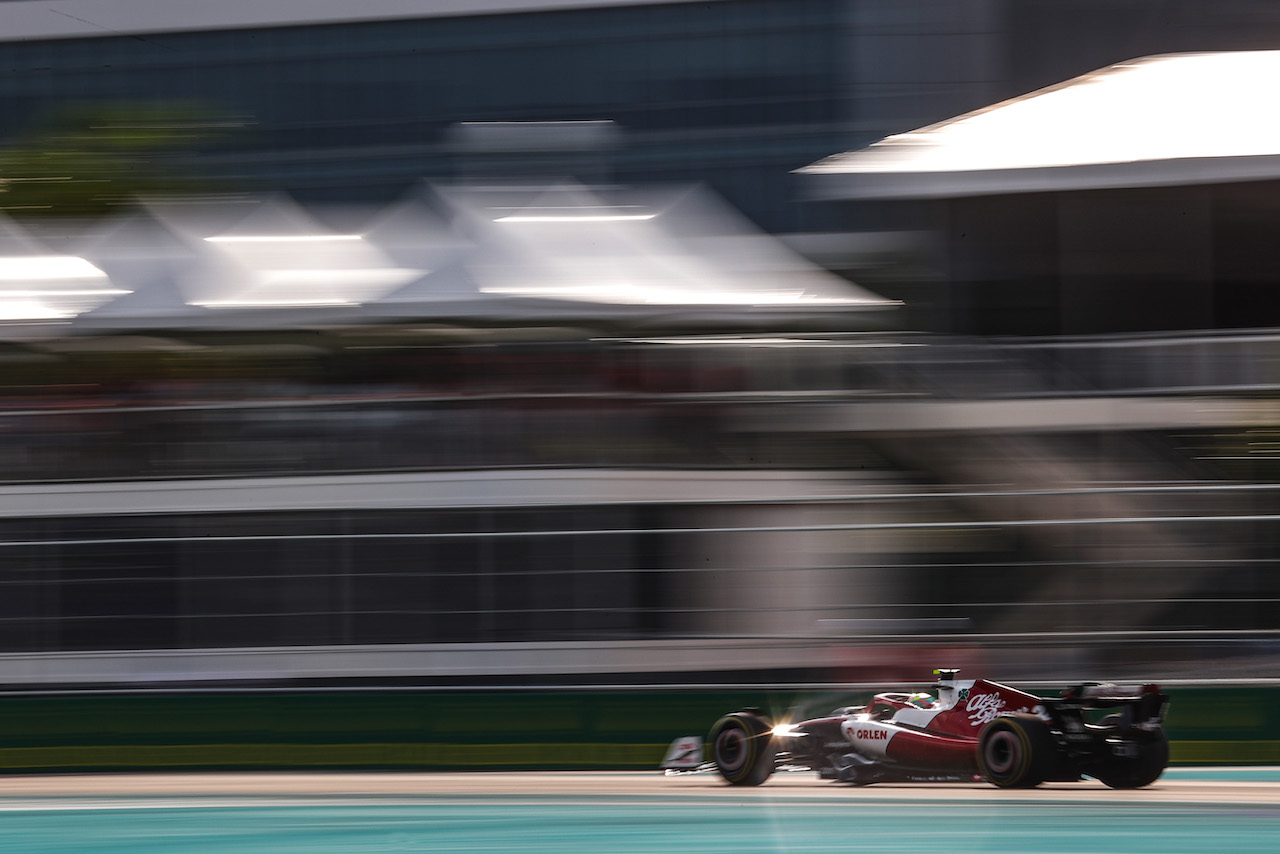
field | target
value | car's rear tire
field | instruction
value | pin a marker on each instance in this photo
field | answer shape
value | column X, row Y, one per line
column 1017, row 752
column 742, row 748
column 1134, row 772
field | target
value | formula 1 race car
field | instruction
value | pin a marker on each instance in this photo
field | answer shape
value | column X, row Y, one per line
column 972, row 729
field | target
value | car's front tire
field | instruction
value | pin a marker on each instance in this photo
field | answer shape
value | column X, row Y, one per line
column 742, row 748
column 1017, row 752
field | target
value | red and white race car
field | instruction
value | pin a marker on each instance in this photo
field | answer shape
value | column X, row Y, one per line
column 972, row 729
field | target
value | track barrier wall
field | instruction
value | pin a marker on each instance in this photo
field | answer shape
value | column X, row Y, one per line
column 498, row 730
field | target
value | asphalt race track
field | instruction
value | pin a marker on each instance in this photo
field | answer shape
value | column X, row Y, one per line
column 1188, row 810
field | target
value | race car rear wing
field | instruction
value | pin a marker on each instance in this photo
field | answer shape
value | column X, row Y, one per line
column 1142, row 705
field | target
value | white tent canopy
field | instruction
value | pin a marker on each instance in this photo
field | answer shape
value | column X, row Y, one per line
column 678, row 249
column 485, row 255
column 1156, row 121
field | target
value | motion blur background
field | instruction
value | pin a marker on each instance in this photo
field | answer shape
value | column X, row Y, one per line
column 538, row 344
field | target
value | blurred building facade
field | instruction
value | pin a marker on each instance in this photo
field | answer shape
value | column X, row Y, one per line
column 360, row 106
column 356, row 104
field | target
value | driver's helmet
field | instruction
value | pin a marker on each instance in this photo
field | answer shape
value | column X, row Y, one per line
column 923, row 701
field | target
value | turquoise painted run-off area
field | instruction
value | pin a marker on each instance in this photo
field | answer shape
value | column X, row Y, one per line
column 645, row 826
column 658, row 823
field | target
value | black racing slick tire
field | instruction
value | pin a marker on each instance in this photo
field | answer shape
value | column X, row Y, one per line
column 742, row 748
column 1017, row 752
column 1136, row 771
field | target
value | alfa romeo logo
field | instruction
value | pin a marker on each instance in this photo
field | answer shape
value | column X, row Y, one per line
column 984, row 708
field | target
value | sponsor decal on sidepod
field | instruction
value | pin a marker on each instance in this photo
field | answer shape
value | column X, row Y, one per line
column 873, row 738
